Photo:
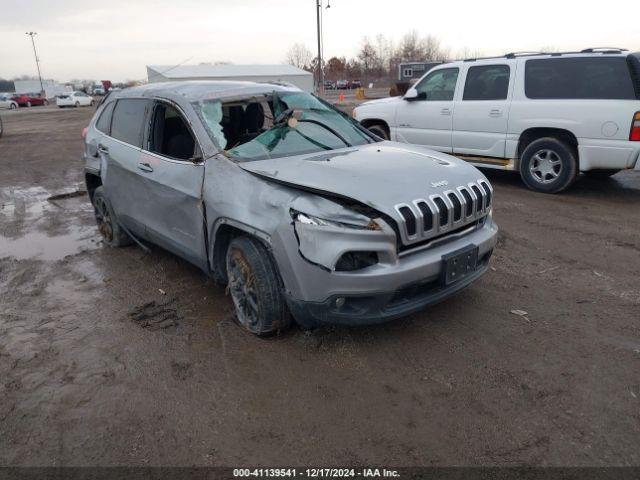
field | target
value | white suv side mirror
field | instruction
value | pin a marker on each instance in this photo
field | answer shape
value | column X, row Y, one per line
column 412, row 94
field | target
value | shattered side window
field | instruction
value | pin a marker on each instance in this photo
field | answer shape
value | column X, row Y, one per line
column 211, row 112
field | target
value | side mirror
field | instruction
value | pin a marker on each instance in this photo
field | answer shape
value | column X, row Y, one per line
column 412, row 95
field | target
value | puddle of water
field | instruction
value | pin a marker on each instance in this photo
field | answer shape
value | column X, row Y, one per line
column 33, row 204
column 42, row 246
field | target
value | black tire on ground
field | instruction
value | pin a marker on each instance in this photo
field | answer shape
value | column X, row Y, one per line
column 1, row 128
column 256, row 287
column 108, row 226
column 91, row 103
column 548, row 165
column 13, row 106
column 28, row 104
column 46, row 103
column 602, row 174
column 77, row 104
column 379, row 130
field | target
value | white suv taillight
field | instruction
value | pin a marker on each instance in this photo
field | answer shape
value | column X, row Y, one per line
column 635, row 128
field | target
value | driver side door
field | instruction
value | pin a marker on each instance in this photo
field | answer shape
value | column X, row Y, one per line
column 428, row 119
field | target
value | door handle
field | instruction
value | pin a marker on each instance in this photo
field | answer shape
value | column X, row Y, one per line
column 102, row 148
column 445, row 111
column 145, row 167
column 495, row 112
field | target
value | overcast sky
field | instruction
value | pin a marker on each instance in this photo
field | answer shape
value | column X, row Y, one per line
column 115, row 39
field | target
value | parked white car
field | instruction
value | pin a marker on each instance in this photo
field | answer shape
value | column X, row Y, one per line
column 548, row 116
column 7, row 102
column 74, row 99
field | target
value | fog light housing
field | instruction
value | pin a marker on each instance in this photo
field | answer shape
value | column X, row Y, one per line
column 340, row 301
column 352, row 261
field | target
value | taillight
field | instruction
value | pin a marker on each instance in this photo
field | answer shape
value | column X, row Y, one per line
column 635, row 128
column 84, row 132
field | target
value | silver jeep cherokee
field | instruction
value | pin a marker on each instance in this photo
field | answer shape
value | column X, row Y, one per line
column 288, row 201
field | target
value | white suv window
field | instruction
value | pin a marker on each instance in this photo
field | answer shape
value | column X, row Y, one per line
column 487, row 82
column 579, row 78
column 439, row 85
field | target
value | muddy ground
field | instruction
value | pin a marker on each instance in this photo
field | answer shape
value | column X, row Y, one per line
column 98, row 367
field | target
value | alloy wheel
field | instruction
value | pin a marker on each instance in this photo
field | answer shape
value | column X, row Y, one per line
column 242, row 287
column 103, row 218
column 545, row 166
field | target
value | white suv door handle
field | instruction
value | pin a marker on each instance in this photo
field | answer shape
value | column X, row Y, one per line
column 495, row 112
column 445, row 111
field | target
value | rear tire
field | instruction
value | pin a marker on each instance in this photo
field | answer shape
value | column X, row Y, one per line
column 46, row 103
column 601, row 174
column 108, row 226
column 379, row 130
column 256, row 287
column 77, row 104
column 13, row 106
column 548, row 165
column 28, row 104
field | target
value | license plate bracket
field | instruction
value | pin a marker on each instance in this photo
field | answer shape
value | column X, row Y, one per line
column 459, row 264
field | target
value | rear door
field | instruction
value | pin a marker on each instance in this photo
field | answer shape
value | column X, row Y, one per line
column 482, row 111
column 170, row 174
column 428, row 119
column 119, row 153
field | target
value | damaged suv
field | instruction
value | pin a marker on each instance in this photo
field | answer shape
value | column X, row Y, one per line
column 289, row 202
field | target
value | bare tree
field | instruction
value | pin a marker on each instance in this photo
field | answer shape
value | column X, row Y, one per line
column 299, row 56
column 468, row 52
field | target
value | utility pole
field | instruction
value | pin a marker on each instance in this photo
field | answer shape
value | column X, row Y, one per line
column 33, row 34
column 320, row 76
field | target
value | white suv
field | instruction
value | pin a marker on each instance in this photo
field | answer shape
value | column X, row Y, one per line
column 548, row 116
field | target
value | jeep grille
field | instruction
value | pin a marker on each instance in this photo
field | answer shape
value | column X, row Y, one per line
column 427, row 218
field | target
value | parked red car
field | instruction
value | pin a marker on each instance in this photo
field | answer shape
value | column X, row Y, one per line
column 29, row 99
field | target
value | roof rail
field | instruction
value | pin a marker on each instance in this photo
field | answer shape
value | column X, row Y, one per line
column 553, row 54
column 604, row 50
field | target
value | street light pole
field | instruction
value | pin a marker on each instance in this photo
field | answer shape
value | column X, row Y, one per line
column 320, row 79
column 33, row 34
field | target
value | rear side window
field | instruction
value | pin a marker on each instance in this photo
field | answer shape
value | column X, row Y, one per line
column 128, row 120
column 104, row 122
column 579, row 78
column 487, row 82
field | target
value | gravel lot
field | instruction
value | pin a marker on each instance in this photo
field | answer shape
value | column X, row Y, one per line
column 88, row 378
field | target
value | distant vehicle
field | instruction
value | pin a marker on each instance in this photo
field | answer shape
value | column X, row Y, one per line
column 342, row 85
column 98, row 91
column 355, row 84
column 74, row 99
column 6, row 101
column 547, row 116
column 280, row 196
column 29, row 99
column 329, row 85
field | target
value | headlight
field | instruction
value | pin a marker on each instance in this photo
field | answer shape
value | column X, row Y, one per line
column 354, row 115
column 307, row 219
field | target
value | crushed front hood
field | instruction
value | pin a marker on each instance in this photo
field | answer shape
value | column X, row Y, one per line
column 380, row 175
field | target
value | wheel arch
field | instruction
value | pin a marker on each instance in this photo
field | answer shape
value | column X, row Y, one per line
column 532, row 134
column 369, row 122
column 92, row 182
column 225, row 230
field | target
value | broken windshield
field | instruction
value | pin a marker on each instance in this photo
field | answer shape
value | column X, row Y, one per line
column 279, row 124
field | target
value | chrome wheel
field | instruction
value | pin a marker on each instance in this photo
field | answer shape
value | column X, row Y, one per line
column 242, row 287
column 103, row 219
column 545, row 166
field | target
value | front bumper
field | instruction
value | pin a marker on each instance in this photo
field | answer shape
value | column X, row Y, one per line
column 381, row 307
column 376, row 294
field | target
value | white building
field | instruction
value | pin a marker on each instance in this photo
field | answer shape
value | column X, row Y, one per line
column 51, row 88
column 249, row 73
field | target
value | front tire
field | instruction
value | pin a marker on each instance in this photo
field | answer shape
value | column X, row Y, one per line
column 255, row 287
column 108, row 226
column 46, row 103
column 77, row 104
column 601, row 174
column 379, row 131
column 548, row 165
column 13, row 106
column 28, row 104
